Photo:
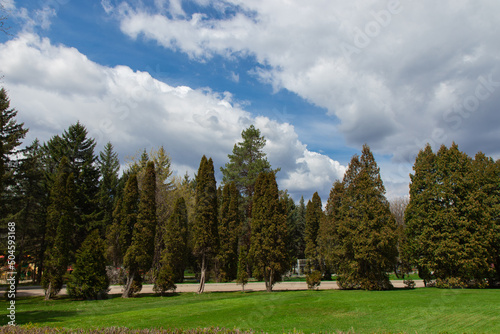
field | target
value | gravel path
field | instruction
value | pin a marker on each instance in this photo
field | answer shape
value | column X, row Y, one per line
column 212, row 287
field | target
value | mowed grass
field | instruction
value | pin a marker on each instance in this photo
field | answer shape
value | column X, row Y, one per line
column 426, row 310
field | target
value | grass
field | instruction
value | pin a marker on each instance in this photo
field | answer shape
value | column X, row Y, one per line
column 420, row 310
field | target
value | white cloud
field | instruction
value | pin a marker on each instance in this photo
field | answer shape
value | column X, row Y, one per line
column 391, row 72
column 53, row 86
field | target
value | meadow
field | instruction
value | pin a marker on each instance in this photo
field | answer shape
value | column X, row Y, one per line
column 425, row 310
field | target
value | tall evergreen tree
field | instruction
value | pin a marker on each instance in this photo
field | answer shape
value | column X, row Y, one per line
column 60, row 225
column 205, row 224
column 11, row 134
column 314, row 215
column 175, row 254
column 366, row 228
column 109, row 166
column 88, row 279
column 228, row 229
column 268, row 251
column 119, row 236
column 139, row 256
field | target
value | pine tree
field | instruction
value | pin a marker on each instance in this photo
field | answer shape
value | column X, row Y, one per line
column 88, row 279
column 205, row 224
column 109, row 165
column 228, row 229
column 174, row 256
column 366, row 228
column 268, row 251
column 139, row 256
column 11, row 134
column 314, row 215
column 60, row 225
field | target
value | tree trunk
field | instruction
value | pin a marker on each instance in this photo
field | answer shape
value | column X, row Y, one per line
column 128, row 285
column 47, row 292
column 269, row 281
column 203, row 275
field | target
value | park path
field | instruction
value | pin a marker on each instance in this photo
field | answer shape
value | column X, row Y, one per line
column 213, row 287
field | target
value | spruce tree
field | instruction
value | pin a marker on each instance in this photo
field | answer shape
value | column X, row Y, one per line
column 268, row 251
column 175, row 254
column 109, row 166
column 205, row 224
column 88, row 279
column 139, row 256
column 366, row 228
column 228, row 229
column 314, row 215
column 60, row 225
column 11, row 134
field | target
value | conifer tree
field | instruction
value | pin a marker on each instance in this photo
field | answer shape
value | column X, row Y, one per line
column 366, row 228
column 88, row 279
column 314, row 215
column 242, row 275
column 119, row 236
column 60, row 225
column 11, row 134
column 268, row 251
column 109, row 165
column 205, row 224
column 139, row 256
column 228, row 229
column 174, row 256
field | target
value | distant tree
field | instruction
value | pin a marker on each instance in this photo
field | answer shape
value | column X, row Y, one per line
column 242, row 275
column 268, row 251
column 175, row 254
column 11, row 134
column 60, row 225
column 398, row 207
column 366, row 229
column 139, row 256
column 205, row 224
column 314, row 215
column 119, row 236
column 245, row 165
column 229, row 230
column 88, row 279
column 109, row 166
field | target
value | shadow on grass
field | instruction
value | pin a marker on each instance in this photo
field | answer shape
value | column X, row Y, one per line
column 41, row 317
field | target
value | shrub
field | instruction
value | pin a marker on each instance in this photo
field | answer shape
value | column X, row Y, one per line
column 313, row 280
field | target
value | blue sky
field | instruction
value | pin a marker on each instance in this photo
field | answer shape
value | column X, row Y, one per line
column 319, row 79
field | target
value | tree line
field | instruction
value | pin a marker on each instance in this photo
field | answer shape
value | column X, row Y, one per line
column 73, row 209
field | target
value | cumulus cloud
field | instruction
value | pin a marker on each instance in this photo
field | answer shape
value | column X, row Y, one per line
column 53, row 86
column 395, row 74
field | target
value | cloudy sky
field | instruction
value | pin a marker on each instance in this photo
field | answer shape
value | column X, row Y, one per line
column 319, row 78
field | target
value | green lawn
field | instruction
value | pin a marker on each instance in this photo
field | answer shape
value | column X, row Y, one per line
column 420, row 310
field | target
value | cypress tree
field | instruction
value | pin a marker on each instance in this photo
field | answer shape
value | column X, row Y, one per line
column 60, row 225
column 174, row 256
column 139, row 256
column 88, row 279
column 268, row 251
column 228, row 230
column 205, row 224
column 314, row 215
column 366, row 228
column 109, row 165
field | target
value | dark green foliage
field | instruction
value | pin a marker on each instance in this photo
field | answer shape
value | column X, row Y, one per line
column 268, row 251
column 314, row 215
column 364, row 240
column 175, row 253
column 88, row 279
column 451, row 217
column 313, row 279
column 245, row 165
column 205, row 224
column 11, row 134
column 109, row 165
column 242, row 275
column 229, row 230
column 139, row 256
column 60, row 226
column 79, row 149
